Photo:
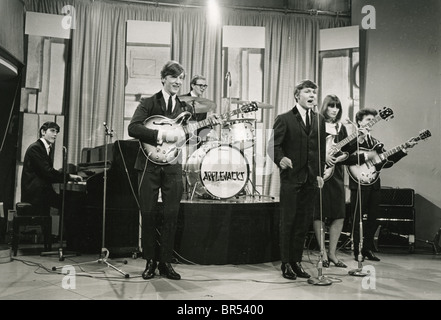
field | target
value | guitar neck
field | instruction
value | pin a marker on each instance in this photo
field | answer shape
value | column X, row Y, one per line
column 206, row 122
column 346, row 140
column 392, row 151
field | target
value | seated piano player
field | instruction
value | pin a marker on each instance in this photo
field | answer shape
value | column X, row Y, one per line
column 39, row 173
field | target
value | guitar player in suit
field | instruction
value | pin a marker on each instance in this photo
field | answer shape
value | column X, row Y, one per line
column 153, row 177
column 370, row 193
column 297, row 146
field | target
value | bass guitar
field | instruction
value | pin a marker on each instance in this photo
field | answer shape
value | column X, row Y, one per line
column 334, row 149
column 368, row 172
column 168, row 152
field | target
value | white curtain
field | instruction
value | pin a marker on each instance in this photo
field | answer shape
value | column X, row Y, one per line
column 97, row 73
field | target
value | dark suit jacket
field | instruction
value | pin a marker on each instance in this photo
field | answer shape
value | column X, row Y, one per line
column 154, row 105
column 289, row 139
column 38, row 176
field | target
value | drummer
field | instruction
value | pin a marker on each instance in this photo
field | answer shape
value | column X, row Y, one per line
column 198, row 85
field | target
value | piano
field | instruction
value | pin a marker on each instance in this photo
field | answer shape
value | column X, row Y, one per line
column 84, row 201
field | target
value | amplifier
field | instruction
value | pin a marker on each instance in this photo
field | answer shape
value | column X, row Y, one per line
column 397, row 197
column 396, row 227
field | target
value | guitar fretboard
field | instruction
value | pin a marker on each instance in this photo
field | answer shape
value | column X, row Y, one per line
column 346, row 140
column 206, row 122
column 396, row 149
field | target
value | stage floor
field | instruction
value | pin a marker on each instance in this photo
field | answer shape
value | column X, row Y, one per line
column 398, row 276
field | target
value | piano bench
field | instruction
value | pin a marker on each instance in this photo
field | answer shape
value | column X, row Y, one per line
column 24, row 217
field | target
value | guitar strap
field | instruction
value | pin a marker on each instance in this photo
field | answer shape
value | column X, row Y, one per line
column 188, row 107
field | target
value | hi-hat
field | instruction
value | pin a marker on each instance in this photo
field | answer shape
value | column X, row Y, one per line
column 201, row 105
column 260, row 105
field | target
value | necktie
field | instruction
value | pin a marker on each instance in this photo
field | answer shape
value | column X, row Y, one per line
column 308, row 124
column 169, row 105
column 370, row 142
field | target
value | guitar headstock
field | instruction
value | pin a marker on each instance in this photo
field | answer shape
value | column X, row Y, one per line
column 250, row 107
column 424, row 134
column 386, row 113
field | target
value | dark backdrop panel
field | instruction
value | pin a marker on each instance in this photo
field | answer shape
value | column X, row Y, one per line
column 228, row 232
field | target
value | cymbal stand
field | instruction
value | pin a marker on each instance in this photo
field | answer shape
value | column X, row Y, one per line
column 104, row 254
column 61, row 253
column 228, row 78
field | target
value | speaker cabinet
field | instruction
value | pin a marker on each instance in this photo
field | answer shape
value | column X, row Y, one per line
column 396, row 219
column 397, row 197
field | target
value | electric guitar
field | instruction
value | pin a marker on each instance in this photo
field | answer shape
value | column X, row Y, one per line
column 168, row 152
column 368, row 172
column 334, row 149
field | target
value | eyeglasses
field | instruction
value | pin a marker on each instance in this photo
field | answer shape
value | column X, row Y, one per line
column 201, row 85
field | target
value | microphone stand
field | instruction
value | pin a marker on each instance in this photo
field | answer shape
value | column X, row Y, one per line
column 358, row 272
column 104, row 254
column 228, row 80
column 61, row 254
column 320, row 280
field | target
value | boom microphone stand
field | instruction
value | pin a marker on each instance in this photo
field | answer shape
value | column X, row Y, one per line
column 320, row 280
column 359, row 271
column 104, row 254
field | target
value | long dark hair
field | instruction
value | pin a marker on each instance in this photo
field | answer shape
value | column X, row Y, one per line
column 331, row 100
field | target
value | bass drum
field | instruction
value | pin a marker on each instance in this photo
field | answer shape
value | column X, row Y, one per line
column 217, row 171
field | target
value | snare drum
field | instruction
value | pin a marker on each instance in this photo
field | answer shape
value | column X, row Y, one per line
column 240, row 133
column 219, row 172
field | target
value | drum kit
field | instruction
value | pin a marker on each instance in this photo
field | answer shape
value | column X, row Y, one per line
column 219, row 168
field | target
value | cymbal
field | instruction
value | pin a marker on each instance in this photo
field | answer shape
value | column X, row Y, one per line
column 260, row 105
column 202, row 105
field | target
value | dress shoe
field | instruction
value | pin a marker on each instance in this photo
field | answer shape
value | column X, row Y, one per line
column 369, row 255
column 298, row 269
column 166, row 269
column 149, row 271
column 287, row 271
column 325, row 264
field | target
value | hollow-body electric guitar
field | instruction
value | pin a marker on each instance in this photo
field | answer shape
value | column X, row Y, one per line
column 368, row 172
column 168, row 152
column 334, row 149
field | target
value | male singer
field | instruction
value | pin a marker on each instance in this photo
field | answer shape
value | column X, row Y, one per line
column 297, row 146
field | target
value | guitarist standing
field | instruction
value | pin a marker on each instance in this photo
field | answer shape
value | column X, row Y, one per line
column 333, row 191
column 153, row 176
column 370, row 194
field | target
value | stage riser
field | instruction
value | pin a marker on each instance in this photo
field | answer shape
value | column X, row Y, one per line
column 228, row 233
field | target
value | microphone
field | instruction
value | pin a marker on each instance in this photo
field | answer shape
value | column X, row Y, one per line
column 108, row 131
